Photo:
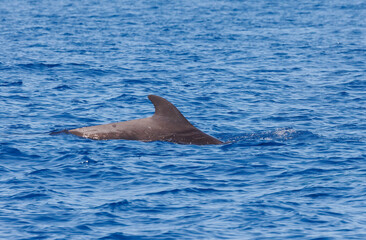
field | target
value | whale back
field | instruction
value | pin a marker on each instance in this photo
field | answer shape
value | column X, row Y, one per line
column 167, row 124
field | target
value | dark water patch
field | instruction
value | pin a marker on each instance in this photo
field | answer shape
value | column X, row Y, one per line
column 269, row 71
column 19, row 98
column 78, row 65
column 105, row 214
column 137, row 81
column 45, row 218
column 269, row 144
column 355, row 84
column 39, row 66
column 84, row 227
column 44, row 173
column 123, row 98
column 64, row 157
column 13, row 153
column 109, row 175
column 288, row 118
column 31, row 196
column 320, row 195
column 348, row 139
column 97, row 72
column 9, row 83
column 3, row 169
column 185, row 191
column 352, row 6
column 20, row 126
column 341, row 161
column 108, row 223
column 116, row 206
column 245, row 143
column 314, row 192
column 246, row 171
column 79, row 101
column 39, row 235
column 119, row 235
column 62, row 87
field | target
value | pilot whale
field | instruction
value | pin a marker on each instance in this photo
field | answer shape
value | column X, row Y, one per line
column 167, row 124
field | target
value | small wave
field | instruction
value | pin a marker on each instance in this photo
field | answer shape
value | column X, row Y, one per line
column 116, row 206
column 19, row 97
column 348, row 139
column 270, row 144
column 88, row 161
column 356, row 84
column 39, row 66
column 276, row 137
column 96, row 72
column 30, row 196
column 3, row 170
column 14, row 83
column 270, row 71
column 313, row 192
column 42, row 173
column 184, row 190
column 15, row 153
column 62, row 87
column 84, row 227
column 123, row 97
column 318, row 195
column 78, row 64
column 119, row 236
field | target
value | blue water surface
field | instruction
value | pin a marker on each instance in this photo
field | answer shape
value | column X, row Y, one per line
column 283, row 82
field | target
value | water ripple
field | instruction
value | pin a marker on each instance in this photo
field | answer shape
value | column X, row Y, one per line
column 281, row 83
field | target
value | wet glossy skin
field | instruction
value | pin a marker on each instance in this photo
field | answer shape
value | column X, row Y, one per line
column 167, row 124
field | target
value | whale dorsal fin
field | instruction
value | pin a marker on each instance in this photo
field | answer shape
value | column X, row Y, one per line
column 165, row 109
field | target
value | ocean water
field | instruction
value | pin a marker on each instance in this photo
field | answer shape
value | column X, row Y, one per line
column 282, row 82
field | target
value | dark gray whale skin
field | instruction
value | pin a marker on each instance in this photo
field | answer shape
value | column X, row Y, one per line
column 167, row 124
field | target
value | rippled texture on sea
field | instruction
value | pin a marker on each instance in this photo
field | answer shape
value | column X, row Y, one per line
column 282, row 82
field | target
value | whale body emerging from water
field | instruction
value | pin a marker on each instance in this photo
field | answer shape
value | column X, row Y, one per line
column 167, row 124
